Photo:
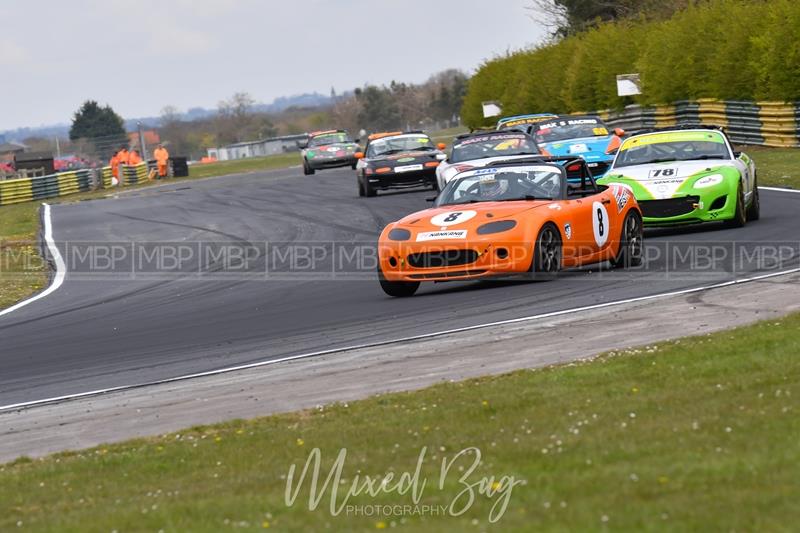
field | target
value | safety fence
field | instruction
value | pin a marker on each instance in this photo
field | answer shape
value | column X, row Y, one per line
column 60, row 184
column 762, row 123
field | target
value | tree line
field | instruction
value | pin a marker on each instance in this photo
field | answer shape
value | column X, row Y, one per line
column 726, row 49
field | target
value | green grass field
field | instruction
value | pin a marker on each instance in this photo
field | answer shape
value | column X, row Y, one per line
column 698, row 434
column 240, row 166
column 777, row 167
column 22, row 271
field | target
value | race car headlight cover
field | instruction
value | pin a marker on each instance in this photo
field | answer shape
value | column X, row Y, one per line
column 399, row 234
column 709, row 181
column 497, row 226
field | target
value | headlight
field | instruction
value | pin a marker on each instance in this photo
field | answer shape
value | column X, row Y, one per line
column 399, row 234
column 709, row 181
column 496, row 227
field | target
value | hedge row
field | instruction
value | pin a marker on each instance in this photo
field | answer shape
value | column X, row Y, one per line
column 726, row 49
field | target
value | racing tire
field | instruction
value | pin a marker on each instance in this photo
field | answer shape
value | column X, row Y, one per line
column 369, row 190
column 754, row 211
column 740, row 216
column 360, row 188
column 307, row 170
column 547, row 254
column 397, row 289
column 630, row 244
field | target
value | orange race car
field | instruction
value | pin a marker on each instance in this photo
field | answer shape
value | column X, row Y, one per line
column 533, row 216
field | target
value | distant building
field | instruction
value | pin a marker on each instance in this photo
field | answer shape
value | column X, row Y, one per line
column 8, row 151
column 243, row 150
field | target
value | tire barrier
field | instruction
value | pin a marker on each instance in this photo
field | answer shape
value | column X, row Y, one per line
column 774, row 124
column 131, row 175
column 60, row 184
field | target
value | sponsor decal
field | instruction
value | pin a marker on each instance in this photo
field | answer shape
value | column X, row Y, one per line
column 571, row 122
column 622, row 194
column 600, row 131
column 554, row 206
column 442, row 235
column 405, row 160
column 486, row 171
column 452, row 218
column 408, row 168
column 568, row 231
column 578, row 148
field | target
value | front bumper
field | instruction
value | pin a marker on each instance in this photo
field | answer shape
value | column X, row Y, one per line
column 464, row 260
column 689, row 209
column 331, row 162
column 402, row 180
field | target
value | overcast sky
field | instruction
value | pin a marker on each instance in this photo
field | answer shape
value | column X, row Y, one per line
column 141, row 55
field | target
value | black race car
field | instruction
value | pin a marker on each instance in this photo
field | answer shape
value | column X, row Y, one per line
column 328, row 149
column 398, row 160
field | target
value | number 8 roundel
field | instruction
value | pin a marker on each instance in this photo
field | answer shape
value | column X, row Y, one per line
column 452, row 218
column 600, row 224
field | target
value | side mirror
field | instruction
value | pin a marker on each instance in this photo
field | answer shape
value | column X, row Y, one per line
column 359, row 155
column 619, row 132
column 441, row 146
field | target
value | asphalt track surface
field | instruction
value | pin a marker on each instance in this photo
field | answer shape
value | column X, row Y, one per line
column 133, row 320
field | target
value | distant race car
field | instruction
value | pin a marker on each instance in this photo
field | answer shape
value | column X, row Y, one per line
column 481, row 148
column 684, row 175
column 531, row 217
column 587, row 137
column 328, row 149
column 398, row 160
column 523, row 123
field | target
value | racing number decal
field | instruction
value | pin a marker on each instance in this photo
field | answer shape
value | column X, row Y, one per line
column 452, row 218
column 663, row 173
column 600, row 224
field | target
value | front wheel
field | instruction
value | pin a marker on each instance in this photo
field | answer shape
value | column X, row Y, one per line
column 740, row 216
column 307, row 170
column 754, row 211
column 630, row 245
column 547, row 254
column 398, row 289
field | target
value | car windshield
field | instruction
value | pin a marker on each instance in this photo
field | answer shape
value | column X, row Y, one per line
column 539, row 182
column 522, row 122
column 570, row 128
column 496, row 145
column 666, row 147
column 400, row 143
column 329, row 138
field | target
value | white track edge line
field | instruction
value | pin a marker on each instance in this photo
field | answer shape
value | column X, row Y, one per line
column 61, row 267
column 779, row 189
column 99, row 392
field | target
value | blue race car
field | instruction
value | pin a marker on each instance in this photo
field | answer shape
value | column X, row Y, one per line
column 582, row 136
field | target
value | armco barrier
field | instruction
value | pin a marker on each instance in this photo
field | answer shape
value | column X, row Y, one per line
column 61, row 184
column 762, row 123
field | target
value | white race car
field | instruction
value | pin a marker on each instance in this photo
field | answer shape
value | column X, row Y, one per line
column 478, row 149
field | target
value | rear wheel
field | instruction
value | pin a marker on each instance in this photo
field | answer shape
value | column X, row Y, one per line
column 398, row 289
column 547, row 254
column 739, row 217
column 630, row 245
column 754, row 211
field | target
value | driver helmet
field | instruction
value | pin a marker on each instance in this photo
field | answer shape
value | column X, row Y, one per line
column 492, row 188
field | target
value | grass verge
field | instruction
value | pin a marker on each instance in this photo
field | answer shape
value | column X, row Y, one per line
column 697, row 434
column 777, row 167
column 22, row 271
column 240, row 166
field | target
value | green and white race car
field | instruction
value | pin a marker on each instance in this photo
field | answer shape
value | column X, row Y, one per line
column 686, row 175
